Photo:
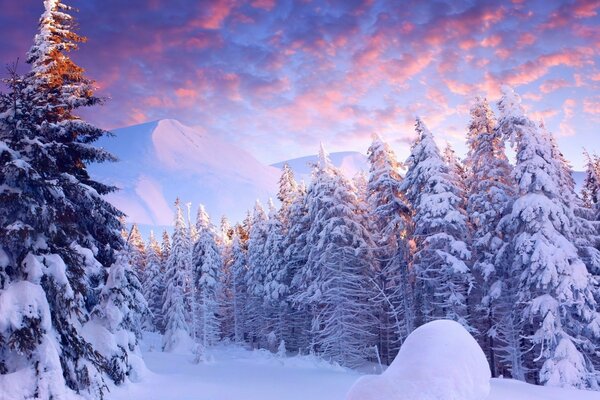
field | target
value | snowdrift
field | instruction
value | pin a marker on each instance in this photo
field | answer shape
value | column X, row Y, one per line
column 438, row 361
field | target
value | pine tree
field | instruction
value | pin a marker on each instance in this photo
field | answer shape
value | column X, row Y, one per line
column 122, row 308
column 177, row 302
column 439, row 232
column 154, row 285
column 490, row 191
column 561, row 321
column 390, row 219
column 238, row 287
column 165, row 248
column 58, row 234
column 295, row 258
column 137, row 248
column 591, row 185
column 206, row 263
column 255, row 278
column 338, row 268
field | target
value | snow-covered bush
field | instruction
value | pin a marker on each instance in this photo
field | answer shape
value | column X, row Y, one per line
column 439, row 360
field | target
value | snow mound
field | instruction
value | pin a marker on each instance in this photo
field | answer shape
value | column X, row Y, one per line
column 438, row 361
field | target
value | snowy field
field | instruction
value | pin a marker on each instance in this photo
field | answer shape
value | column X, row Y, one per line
column 240, row 374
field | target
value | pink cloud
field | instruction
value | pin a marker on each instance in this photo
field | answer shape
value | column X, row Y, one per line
column 591, row 105
column 266, row 5
column 537, row 68
column 552, row 85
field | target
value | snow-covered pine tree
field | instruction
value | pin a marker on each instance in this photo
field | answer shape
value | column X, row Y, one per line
column 276, row 278
column 121, row 311
column 137, row 248
column 176, row 303
column 390, row 219
column 225, row 287
column 586, row 235
column 255, row 278
column 338, row 268
column 206, row 264
column 490, row 191
column 288, row 189
column 439, row 232
column 590, row 192
column 238, row 288
column 295, row 258
column 57, row 233
column 560, row 317
column 165, row 249
column 154, row 285
column 226, row 231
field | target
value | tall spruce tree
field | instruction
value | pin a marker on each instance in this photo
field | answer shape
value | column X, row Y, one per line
column 206, row 264
column 177, row 301
column 58, row 234
column 390, row 218
column 154, row 284
column 555, row 292
column 440, row 233
column 338, row 268
column 255, row 278
column 238, row 287
column 490, row 192
column 137, row 250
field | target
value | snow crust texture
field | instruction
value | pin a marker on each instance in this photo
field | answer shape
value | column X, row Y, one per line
column 438, row 361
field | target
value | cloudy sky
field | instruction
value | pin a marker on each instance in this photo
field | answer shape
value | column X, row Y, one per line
column 278, row 76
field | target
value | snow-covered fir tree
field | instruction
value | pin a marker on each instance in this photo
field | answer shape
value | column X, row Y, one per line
column 165, row 248
column 255, row 274
column 137, row 248
column 591, row 185
column 121, row 310
column 177, row 299
column 295, row 258
column 559, row 312
column 338, row 268
column 238, row 288
column 390, row 219
column 490, row 191
column 439, row 232
column 154, row 284
column 58, row 233
column 206, row 264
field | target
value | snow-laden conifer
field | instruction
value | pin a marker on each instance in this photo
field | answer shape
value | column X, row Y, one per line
column 177, row 301
column 206, row 264
column 561, row 321
column 390, row 221
column 339, row 267
column 154, row 284
column 490, row 191
column 439, row 232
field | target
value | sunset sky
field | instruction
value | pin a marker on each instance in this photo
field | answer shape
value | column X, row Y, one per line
column 279, row 76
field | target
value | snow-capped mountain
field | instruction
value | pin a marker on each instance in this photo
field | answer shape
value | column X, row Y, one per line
column 164, row 159
column 350, row 162
column 161, row 160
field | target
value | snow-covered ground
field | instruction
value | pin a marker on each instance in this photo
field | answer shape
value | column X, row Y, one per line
column 240, row 374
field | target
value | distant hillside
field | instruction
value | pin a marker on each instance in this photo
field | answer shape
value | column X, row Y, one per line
column 164, row 159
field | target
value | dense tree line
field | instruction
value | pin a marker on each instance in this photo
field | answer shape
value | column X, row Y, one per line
column 346, row 269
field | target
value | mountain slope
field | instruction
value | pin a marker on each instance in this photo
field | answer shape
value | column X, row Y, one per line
column 350, row 162
column 164, row 159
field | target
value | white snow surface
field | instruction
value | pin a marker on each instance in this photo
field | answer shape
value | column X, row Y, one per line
column 236, row 373
column 439, row 360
